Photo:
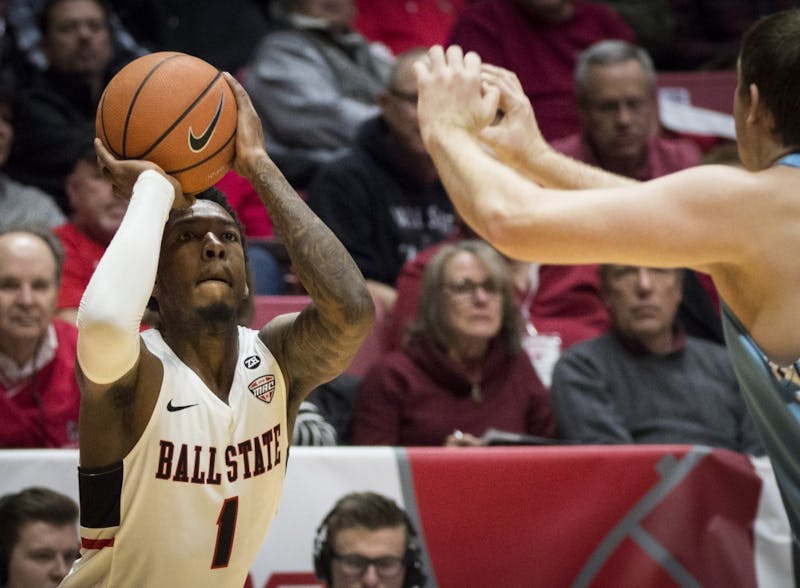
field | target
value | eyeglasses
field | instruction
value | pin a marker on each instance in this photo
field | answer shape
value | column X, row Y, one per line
column 410, row 97
column 355, row 565
column 467, row 287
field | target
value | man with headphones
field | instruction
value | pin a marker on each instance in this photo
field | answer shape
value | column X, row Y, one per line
column 368, row 541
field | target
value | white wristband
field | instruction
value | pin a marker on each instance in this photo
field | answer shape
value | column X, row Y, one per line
column 112, row 306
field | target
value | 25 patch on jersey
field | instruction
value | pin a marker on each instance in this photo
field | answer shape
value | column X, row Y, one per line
column 252, row 362
column 263, row 388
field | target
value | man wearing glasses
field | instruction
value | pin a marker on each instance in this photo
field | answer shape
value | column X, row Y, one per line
column 646, row 381
column 383, row 198
column 367, row 540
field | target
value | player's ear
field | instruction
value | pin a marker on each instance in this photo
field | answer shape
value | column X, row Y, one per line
column 753, row 111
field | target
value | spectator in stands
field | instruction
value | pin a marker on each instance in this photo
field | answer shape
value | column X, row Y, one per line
column 543, row 348
column 222, row 33
column 652, row 23
column 38, row 538
column 647, row 381
column 313, row 81
column 409, row 284
column 20, row 204
column 539, row 40
column 708, row 33
column 39, row 397
column 22, row 20
column 368, row 540
column 96, row 215
column 404, row 25
column 462, row 368
column 615, row 87
column 335, row 401
column 57, row 113
column 383, row 198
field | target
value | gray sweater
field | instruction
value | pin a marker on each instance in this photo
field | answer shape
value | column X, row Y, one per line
column 21, row 204
column 605, row 392
column 312, row 88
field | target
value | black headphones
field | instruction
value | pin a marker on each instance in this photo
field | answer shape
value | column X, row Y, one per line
column 323, row 554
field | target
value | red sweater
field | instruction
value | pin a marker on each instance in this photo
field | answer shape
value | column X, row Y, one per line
column 81, row 256
column 542, row 55
column 418, row 396
column 44, row 412
column 244, row 199
column 407, row 24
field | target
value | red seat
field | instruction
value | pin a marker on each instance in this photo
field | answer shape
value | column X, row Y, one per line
column 373, row 346
column 268, row 307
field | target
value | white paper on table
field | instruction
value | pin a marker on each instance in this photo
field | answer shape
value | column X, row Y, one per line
column 678, row 115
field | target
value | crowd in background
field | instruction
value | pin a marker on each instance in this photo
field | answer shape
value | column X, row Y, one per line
column 471, row 347
column 469, row 341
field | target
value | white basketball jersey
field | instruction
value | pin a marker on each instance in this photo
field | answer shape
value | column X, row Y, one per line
column 190, row 505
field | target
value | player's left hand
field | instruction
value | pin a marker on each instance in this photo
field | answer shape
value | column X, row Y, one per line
column 123, row 173
column 515, row 135
column 451, row 93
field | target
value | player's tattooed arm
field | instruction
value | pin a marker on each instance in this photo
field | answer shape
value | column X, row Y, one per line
column 324, row 338
column 322, row 341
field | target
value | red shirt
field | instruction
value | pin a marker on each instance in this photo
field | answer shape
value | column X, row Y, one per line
column 44, row 410
column 244, row 199
column 81, row 256
column 406, row 24
column 542, row 55
column 664, row 155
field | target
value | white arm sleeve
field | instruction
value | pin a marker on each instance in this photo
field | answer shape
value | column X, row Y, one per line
column 112, row 306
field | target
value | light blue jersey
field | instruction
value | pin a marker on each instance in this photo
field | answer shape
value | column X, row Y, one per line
column 773, row 397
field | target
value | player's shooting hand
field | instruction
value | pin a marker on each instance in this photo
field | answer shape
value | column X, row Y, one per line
column 451, row 95
column 123, row 173
column 515, row 134
column 249, row 132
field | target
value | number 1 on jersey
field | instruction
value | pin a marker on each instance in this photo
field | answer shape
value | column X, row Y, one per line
column 226, row 528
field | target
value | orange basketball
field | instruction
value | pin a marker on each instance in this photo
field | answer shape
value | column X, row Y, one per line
column 175, row 110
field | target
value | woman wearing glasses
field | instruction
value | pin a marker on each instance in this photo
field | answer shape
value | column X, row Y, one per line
column 461, row 370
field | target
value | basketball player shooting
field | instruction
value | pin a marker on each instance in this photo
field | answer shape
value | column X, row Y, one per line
column 738, row 225
column 184, row 431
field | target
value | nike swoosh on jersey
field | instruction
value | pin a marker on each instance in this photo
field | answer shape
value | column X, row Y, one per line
column 172, row 408
column 197, row 144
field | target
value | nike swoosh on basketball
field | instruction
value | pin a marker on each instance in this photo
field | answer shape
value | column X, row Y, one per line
column 197, row 144
column 172, row 408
